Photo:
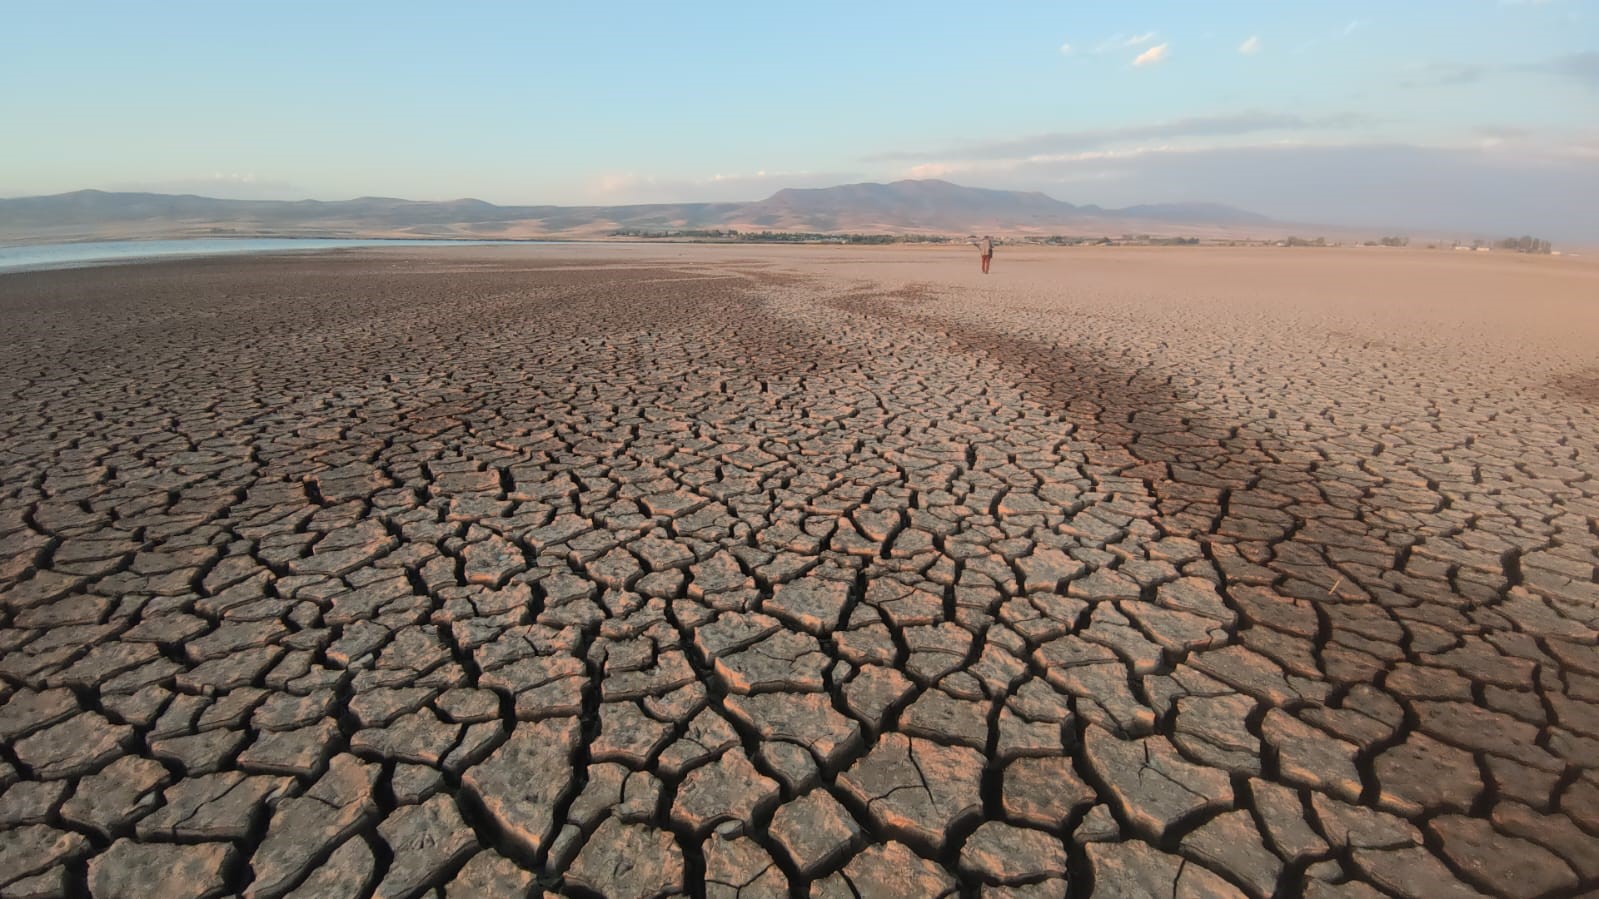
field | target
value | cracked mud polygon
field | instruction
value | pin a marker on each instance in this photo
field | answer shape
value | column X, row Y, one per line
column 726, row 573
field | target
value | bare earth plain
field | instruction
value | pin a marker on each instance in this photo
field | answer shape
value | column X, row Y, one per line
column 641, row 571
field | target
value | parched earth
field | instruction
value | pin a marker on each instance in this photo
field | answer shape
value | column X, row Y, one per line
column 472, row 573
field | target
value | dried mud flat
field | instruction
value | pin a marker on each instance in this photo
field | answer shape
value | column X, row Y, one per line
column 643, row 571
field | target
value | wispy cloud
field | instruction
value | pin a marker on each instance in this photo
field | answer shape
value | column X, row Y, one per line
column 1350, row 27
column 630, row 187
column 1447, row 74
column 1544, row 187
column 1153, row 55
column 223, row 185
column 1066, row 49
column 1250, row 46
column 1121, row 41
column 1057, row 142
column 1581, row 67
column 1502, row 132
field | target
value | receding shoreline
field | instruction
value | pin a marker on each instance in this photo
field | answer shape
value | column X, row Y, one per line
column 831, row 570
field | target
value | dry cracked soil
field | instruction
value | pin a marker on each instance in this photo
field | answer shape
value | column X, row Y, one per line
column 641, row 572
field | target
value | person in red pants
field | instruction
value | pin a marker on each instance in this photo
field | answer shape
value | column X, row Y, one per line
column 985, row 246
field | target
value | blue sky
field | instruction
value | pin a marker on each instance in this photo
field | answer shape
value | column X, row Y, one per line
column 1421, row 113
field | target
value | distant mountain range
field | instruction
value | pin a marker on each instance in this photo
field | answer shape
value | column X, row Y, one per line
column 925, row 207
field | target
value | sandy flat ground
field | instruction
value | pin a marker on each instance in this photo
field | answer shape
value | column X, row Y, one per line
column 637, row 570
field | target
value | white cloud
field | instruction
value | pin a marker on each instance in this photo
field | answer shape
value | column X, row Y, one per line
column 1353, row 26
column 1151, row 56
column 933, row 170
column 1066, row 49
column 1138, row 39
column 1250, row 46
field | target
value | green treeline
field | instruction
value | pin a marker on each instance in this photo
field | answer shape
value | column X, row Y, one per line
column 775, row 236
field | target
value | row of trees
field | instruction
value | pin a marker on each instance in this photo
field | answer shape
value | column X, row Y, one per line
column 1061, row 240
column 1524, row 244
column 776, row 236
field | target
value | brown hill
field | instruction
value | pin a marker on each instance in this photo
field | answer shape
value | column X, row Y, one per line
column 935, row 207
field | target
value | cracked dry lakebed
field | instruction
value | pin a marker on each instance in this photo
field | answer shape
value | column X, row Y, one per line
column 640, row 571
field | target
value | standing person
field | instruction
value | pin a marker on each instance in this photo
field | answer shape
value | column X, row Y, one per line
column 985, row 247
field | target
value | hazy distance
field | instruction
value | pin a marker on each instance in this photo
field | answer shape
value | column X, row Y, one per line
column 1474, row 117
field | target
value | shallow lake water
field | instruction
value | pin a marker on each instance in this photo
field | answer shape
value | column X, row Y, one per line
column 70, row 255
